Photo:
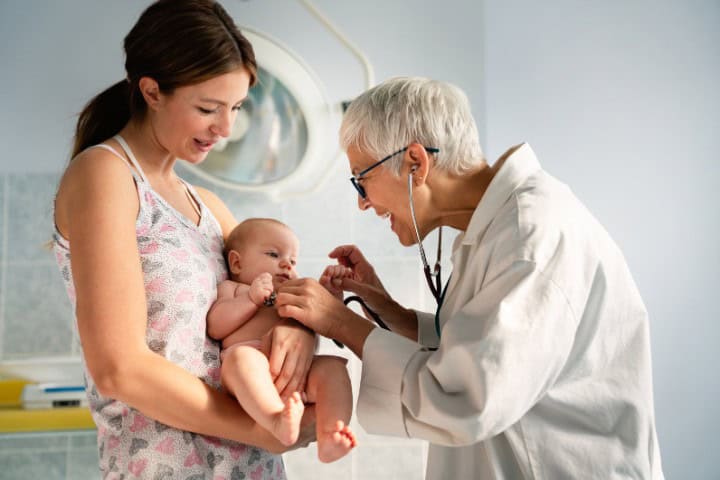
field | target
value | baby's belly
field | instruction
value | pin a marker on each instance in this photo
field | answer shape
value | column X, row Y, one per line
column 265, row 319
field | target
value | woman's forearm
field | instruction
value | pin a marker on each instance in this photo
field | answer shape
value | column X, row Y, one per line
column 171, row 395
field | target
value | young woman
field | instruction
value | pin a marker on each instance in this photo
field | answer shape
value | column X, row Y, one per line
column 141, row 252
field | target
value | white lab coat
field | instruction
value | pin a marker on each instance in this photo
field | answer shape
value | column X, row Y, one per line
column 543, row 367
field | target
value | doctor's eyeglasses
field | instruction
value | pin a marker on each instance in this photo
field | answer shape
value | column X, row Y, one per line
column 355, row 179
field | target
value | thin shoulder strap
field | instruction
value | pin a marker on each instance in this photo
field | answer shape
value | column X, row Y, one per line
column 130, row 155
column 109, row 149
column 121, row 157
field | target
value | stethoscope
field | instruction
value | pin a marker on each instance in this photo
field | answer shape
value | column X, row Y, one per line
column 433, row 278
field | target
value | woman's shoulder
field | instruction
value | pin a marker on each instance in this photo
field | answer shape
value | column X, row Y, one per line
column 96, row 162
column 95, row 177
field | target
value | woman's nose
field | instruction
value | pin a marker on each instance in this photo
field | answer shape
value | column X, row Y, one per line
column 224, row 123
column 363, row 202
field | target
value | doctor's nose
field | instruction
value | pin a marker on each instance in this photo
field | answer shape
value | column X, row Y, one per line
column 363, row 203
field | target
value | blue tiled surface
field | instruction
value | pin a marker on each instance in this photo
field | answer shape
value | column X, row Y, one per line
column 49, row 455
column 29, row 223
column 38, row 315
column 33, row 464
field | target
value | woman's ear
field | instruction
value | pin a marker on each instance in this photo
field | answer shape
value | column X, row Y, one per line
column 150, row 91
column 417, row 163
column 234, row 261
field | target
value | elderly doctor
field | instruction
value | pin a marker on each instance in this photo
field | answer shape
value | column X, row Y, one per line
column 537, row 364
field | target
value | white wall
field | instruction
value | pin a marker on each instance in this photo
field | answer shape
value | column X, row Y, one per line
column 618, row 98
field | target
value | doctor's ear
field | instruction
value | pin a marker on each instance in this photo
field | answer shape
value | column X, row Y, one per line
column 418, row 162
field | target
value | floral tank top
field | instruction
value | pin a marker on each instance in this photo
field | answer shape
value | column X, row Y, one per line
column 182, row 264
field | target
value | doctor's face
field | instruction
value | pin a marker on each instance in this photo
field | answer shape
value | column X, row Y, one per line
column 386, row 193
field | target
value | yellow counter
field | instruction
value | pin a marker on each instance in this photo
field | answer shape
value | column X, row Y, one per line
column 13, row 418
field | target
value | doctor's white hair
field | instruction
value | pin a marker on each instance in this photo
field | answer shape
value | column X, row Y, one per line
column 404, row 110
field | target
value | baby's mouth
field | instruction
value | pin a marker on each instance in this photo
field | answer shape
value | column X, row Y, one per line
column 282, row 277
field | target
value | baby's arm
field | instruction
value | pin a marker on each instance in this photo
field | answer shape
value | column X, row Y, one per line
column 236, row 304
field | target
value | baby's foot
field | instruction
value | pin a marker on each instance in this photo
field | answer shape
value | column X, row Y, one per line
column 336, row 443
column 287, row 422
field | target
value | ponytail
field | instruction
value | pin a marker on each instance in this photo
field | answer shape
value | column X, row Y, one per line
column 103, row 116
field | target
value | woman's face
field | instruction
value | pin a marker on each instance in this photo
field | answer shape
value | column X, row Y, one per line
column 193, row 118
column 386, row 193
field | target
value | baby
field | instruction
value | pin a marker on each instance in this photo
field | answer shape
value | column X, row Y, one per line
column 261, row 254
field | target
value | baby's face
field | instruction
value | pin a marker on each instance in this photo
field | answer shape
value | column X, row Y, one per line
column 269, row 248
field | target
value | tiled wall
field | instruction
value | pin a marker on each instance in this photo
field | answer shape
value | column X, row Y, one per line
column 36, row 318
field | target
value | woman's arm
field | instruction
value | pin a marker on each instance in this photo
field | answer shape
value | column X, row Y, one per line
column 100, row 206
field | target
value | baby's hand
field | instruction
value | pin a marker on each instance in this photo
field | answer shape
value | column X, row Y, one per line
column 332, row 277
column 261, row 288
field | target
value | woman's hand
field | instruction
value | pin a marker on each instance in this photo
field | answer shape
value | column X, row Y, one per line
column 291, row 354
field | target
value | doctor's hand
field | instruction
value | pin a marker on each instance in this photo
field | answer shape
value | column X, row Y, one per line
column 311, row 304
column 366, row 284
column 350, row 256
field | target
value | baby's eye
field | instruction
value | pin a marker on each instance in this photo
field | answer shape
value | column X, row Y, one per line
column 293, row 262
column 271, row 254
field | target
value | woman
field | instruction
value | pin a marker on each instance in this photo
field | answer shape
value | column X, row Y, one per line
column 141, row 253
column 538, row 362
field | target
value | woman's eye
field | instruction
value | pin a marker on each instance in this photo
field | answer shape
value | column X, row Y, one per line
column 237, row 107
column 205, row 111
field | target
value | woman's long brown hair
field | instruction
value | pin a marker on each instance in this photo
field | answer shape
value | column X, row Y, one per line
column 175, row 42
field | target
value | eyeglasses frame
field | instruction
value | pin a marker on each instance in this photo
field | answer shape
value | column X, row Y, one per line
column 355, row 179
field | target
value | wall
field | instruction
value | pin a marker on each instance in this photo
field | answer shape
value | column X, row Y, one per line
column 619, row 100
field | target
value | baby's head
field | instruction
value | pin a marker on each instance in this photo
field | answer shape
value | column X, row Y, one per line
column 259, row 245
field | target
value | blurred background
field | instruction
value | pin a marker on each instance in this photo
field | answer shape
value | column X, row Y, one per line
column 619, row 100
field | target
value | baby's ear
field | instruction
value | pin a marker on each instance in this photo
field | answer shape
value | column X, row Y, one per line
column 234, row 261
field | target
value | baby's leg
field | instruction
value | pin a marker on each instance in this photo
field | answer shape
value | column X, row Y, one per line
column 245, row 373
column 328, row 386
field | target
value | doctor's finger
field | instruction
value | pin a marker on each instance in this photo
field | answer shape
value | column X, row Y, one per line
column 348, row 255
